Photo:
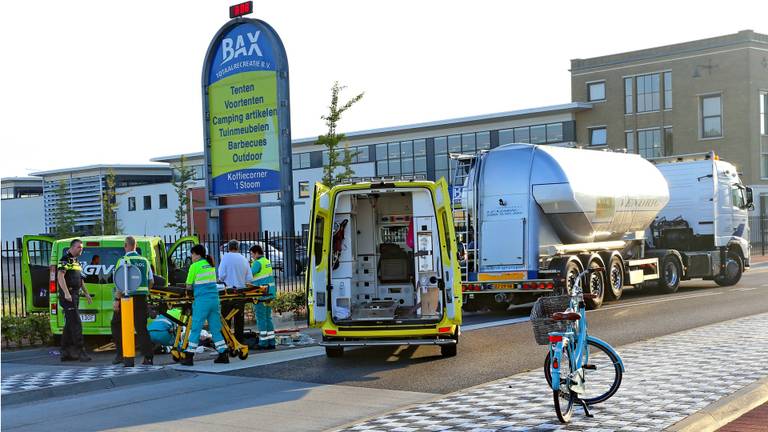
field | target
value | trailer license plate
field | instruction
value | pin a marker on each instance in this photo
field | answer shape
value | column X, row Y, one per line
column 507, row 276
column 87, row 318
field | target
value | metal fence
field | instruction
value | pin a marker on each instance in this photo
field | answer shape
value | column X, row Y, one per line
column 274, row 244
column 758, row 234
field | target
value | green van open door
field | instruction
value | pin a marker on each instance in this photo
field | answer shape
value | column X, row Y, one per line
column 36, row 272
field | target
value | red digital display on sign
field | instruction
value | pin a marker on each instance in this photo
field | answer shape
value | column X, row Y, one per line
column 241, row 9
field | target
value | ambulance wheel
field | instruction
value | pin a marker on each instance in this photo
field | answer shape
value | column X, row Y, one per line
column 242, row 355
column 334, row 351
column 449, row 350
column 233, row 352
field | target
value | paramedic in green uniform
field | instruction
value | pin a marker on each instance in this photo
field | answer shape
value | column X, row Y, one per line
column 139, row 306
column 261, row 270
column 205, row 307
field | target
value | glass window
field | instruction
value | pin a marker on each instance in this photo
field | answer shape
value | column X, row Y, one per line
column 381, row 151
column 441, row 174
column 522, row 135
column 649, row 143
column 629, row 139
column 506, row 136
column 554, row 132
column 419, row 147
column 454, row 144
column 382, row 168
column 441, row 162
column 737, row 198
column 596, row 91
column 711, row 118
column 420, row 164
column 394, row 167
column 764, row 113
column 303, row 189
column 163, row 204
column 483, row 140
column 407, row 166
column 406, row 149
column 598, row 136
column 131, row 203
column 147, row 202
column 628, row 96
column 394, row 150
column 319, row 233
column 668, row 149
column 441, row 145
column 647, row 92
column 296, row 160
column 538, row 134
column 326, row 158
column 667, row 90
column 363, row 154
column 468, row 143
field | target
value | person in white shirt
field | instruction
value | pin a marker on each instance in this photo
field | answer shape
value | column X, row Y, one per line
column 234, row 272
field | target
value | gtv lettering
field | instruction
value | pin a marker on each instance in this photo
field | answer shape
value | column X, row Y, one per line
column 96, row 269
column 232, row 49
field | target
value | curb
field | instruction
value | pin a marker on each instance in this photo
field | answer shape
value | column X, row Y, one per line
column 89, row 386
column 725, row 410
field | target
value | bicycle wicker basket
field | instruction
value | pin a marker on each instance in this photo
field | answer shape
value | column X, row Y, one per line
column 541, row 316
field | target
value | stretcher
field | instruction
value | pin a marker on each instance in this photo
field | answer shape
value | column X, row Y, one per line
column 172, row 297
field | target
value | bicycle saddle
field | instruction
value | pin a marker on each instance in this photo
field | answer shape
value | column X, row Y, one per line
column 566, row 316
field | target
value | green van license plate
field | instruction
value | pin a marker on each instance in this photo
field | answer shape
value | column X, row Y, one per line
column 86, row 318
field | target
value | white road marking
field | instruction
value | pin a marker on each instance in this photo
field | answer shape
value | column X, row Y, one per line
column 743, row 289
column 479, row 326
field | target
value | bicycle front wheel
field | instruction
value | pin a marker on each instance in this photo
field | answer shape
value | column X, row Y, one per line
column 603, row 377
column 564, row 397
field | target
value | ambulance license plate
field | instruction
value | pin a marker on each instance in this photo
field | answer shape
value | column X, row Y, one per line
column 86, row 318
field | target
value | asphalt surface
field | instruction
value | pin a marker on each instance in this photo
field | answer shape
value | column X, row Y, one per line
column 493, row 353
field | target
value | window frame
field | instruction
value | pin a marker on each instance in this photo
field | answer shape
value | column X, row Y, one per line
column 702, row 117
column 160, row 199
column 131, row 203
column 301, row 191
column 661, row 141
column 627, row 134
column 144, row 201
column 589, row 85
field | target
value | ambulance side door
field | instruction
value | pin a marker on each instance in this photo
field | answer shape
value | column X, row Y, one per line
column 179, row 259
column 319, row 246
column 37, row 271
column 450, row 278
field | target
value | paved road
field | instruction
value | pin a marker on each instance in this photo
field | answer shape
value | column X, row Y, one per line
column 493, row 353
column 295, row 395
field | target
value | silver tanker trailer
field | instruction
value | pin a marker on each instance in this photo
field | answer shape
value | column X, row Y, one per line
column 532, row 217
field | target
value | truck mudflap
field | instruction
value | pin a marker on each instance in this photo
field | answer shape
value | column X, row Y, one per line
column 387, row 342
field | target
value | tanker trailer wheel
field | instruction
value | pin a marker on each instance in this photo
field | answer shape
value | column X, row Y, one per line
column 614, row 278
column 570, row 272
column 595, row 284
column 732, row 273
column 670, row 272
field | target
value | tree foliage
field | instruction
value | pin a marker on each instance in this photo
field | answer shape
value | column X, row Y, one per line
column 339, row 167
column 183, row 176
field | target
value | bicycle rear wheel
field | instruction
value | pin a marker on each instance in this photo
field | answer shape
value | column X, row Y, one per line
column 563, row 397
column 603, row 381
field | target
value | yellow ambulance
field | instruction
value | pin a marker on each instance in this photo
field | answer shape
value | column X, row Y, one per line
column 383, row 266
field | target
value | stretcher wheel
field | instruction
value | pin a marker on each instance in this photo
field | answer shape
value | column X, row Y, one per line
column 233, row 352
column 175, row 355
column 242, row 355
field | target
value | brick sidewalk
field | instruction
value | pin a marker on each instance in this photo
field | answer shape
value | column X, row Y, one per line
column 667, row 379
column 753, row 421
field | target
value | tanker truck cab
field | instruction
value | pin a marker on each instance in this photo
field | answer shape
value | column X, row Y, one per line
column 384, row 266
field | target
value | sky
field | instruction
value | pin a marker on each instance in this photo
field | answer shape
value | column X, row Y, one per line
column 107, row 82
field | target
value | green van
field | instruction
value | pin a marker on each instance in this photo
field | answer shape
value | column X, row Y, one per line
column 40, row 256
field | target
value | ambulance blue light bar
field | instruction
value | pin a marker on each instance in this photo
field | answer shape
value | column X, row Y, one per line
column 241, row 9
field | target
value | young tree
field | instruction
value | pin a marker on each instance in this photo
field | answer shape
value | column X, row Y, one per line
column 339, row 166
column 180, row 181
column 109, row 224
column 64, row 216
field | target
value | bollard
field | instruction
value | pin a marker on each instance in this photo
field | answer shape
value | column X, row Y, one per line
column 129, row 345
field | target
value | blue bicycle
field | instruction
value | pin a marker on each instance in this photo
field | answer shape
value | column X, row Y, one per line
column 580, row 369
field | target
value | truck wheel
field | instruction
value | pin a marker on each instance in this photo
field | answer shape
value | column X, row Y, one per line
column 334, row 352
column 733, row 270
column 570, row 272
column 669, row 279
column 471, row 305
column 614, row 278
column 595, row 285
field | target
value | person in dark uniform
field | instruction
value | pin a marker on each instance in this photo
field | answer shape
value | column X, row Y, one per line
column 70, row 281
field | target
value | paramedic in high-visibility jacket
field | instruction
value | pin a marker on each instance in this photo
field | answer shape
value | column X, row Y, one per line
column 261, row 270
column 205, row 307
